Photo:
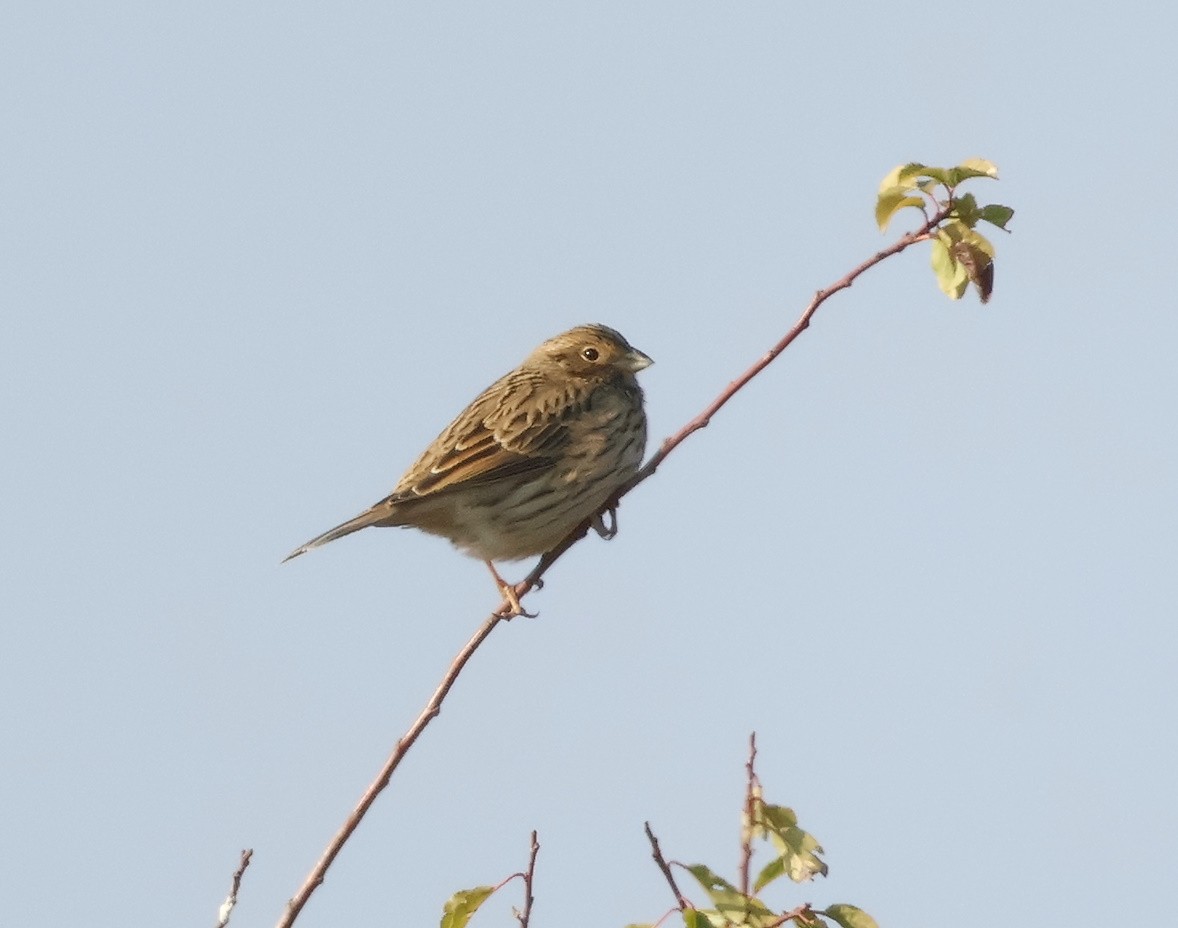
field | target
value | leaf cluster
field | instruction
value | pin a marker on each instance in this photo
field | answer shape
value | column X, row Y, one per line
column 740, row 904
column 794, row 855
column 960, row 254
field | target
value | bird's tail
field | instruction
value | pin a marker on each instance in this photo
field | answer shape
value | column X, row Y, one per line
column 378, row 514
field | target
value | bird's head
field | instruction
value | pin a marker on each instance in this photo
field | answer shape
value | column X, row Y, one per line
column 591, row 351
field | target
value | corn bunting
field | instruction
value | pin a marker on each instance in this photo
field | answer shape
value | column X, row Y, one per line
column 536, row 454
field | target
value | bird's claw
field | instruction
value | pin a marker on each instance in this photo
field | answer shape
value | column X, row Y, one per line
column 511, row 606
column 598, row 523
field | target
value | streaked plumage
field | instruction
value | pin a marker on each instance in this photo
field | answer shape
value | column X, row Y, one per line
column 537, row 453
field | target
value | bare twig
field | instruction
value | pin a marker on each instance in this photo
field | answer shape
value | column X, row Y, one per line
column 226, row 910
column 704, row 418
column 533, row 580
column 529, row 875
column 752, row 795
column 657, row 854
column 431, row 710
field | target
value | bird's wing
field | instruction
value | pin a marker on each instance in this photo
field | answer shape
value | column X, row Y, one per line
column 517, row 426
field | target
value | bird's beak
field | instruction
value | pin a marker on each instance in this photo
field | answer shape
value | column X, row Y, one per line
column 635, row 361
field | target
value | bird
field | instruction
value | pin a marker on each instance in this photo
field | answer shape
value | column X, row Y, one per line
column 536, row 454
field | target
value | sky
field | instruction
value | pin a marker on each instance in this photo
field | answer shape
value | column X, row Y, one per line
column 253, row 257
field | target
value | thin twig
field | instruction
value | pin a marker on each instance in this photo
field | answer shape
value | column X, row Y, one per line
column 431, row 710
column 752, row 794
column 704, row 418
column 226, row 910
column 657, row 854
column 533, row 580
column 529, row 875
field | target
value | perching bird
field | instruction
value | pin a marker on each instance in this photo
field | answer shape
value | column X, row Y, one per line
column 537, row 453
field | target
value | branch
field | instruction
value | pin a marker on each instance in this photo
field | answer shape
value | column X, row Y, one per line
column 751, row 795
column 533, row 580
column 529, row 875
column 432, row 709
column 657, row 854
column 704, row 418
column 227, row 906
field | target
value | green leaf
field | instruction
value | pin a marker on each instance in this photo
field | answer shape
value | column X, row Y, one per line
column 797, row 849
column 975, row 167
column 901, row 176
column 956, row 286
column 941, row 175
column 777, row 817
column 891, row 202
column 945, row 240
column 965, row 209
column 643, row 925
column 770, row 872
column 711, row 882
column 996, row 215
column 705, row 918
column 848, row 916
column 980, row 167
column 952, row 231
column 910, row 172
column 891, row 179
column 463, row 904
column 731, row 904
column 952, row 278
column 694, row 918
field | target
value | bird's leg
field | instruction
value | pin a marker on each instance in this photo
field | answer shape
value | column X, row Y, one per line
column 507, row 591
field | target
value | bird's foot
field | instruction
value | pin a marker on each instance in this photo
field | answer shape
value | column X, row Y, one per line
column 511, row 606
column 599, row 524
column 511, row 593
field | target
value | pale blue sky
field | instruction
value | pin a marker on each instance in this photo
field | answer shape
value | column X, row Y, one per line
column 253, row 257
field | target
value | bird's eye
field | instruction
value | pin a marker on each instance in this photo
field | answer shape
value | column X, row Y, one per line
column 590, row 354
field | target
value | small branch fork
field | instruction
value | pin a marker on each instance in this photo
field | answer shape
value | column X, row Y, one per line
column 529, row 876
column 505, row 610
column 752, row 797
